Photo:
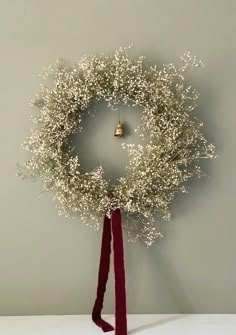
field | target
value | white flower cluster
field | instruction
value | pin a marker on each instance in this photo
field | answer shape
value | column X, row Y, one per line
column 156, row 170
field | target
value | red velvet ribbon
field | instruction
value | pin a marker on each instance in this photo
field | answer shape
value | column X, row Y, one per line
column 112, row 229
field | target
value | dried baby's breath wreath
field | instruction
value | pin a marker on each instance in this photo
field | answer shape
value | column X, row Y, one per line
column 156, row 170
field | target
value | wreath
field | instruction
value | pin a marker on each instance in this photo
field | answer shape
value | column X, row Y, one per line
column 170, row 155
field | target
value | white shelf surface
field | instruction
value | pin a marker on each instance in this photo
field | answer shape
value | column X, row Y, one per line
column 140, row 324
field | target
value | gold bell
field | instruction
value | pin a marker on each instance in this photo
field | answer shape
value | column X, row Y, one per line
column 119, row 131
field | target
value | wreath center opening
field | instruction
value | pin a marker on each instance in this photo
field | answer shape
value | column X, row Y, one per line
column 96, row 144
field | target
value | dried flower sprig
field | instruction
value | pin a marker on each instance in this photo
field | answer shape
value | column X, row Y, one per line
column 156, row 170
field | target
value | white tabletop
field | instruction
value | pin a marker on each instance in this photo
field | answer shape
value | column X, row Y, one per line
column 153, row 324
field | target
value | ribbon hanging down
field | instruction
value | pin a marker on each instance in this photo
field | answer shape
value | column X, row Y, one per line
column 112, row 229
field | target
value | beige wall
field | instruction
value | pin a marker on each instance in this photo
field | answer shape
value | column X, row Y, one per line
column 49, row 264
